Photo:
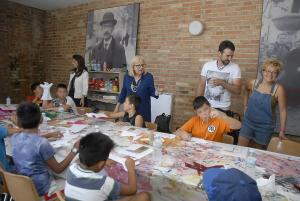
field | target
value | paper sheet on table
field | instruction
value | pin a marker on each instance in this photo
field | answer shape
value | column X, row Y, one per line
column 236, row 151
column 165, row 135
column 75, row 128
column 129, row 134
column 8, row 107
column 9, row 123
column 58, row 143
column 96, row 115
column 192, row 180
column 120, row 160
column 136, row 151
column 67, row 138
column 198, row 140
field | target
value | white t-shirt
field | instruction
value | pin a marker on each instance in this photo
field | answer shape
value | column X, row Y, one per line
column 218, row 96
column 71, row 102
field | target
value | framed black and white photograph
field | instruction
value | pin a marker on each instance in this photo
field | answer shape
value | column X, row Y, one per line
column 280, row 38
column 111, row 37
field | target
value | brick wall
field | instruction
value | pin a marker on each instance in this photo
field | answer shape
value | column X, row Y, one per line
column 3, row 50
column 173, row 56
column 21, row 33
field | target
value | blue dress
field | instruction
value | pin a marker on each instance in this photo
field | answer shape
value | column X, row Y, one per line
column 144, row 90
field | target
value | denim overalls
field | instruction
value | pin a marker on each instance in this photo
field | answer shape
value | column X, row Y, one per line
column 259, row 119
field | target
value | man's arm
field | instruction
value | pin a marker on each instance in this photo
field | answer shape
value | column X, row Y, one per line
column 234, row 88
column 201, row 86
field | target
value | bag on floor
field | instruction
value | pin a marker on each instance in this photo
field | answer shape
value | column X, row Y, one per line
column 163, row 123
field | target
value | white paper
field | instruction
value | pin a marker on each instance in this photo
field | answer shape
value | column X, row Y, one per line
column 75, row 128
column 96, row 115
column 120, row 160
column 165, row 135
column 8, row 107
column 198, row 140
column 129, row 151
column 129, row 134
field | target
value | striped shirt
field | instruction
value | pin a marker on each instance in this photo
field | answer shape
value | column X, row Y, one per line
column 82, row 185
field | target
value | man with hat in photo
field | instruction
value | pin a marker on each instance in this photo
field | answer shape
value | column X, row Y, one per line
column 109, row 53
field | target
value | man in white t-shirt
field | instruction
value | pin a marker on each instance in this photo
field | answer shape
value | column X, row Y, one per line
column 220, row 78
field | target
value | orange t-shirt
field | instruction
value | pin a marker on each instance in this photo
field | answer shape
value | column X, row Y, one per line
column 213, row 130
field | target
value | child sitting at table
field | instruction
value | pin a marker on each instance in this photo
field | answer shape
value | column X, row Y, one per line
column 62, row 100
column 208, row 123
column 130, row 114
column 88, row 180
column 5, row 132
column 32, row 154
column 37, row 91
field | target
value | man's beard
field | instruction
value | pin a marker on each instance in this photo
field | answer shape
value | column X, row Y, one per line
column 225, row 62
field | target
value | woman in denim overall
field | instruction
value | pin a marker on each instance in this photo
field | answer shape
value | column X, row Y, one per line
column 259, row 119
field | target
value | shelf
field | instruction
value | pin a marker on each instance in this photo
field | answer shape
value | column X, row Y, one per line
column 106, row 72
column 103, row 101
column 102, row 91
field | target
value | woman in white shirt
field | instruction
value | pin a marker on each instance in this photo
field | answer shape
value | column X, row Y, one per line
column 79, row 81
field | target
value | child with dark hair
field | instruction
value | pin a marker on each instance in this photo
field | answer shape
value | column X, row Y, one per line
column 130, row 114
column 37, row 91
column 208, row 124
column 32, row 154
column 88, row 181
column 62, row 100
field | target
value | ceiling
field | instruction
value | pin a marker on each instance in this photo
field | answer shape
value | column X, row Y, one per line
column 51, row 4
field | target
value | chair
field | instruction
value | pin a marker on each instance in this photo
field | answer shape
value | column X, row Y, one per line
column 284, row 146
column 151, row 126
column 227, row 139
column 21, row 188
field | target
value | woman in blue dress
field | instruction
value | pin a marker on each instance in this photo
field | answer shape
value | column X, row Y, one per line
column 141, row 83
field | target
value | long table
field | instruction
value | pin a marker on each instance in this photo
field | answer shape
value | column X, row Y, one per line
column 170, row 179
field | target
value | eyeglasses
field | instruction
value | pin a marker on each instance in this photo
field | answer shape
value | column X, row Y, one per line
column 270, row 72
column 140, row 65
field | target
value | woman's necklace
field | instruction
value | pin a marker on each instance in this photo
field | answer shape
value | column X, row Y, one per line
column 134, row 86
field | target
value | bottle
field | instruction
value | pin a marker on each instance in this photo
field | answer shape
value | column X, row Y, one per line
column 104, row 66
column 110, row 86
column 157, row 149
column 44, row 124
column 251, row 158
column 61, row 111
column 8, row 101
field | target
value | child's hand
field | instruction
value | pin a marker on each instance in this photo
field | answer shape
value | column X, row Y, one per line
column 130, row 164
column 13, row 119
column 214, row 113
column 183, row 135
column 110, row 162
column 77, row 144
column 56, row 135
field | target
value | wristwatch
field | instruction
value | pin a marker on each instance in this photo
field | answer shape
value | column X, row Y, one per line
column 74, row 150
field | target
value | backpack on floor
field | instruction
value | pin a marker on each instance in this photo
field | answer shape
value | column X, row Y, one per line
column 163, row 123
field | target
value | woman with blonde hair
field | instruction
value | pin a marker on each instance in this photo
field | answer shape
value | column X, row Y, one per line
column 141, row 83
column 259, row 119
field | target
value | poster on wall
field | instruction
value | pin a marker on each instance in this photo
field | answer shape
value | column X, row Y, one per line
column 280, row 38
column 111, row 37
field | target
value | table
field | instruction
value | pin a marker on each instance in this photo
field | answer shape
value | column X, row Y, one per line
column 169, row 179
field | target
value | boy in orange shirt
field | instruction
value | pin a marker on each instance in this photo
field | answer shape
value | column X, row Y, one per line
column 208, row 124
